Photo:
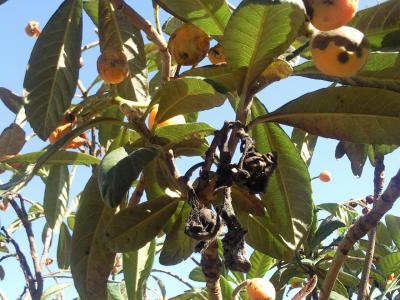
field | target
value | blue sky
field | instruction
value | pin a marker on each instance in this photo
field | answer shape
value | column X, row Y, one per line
column 14, row 54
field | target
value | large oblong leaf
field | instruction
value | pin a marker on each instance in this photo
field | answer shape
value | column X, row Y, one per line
column 116, row 32
column 260, row 30
column 380, row 23
column 91, row 261
column 209, row 15
column 186, row 95
column 60, row 157
column 393, row 225
column 390, row 263
column 118, row 170
column 53, row 69
column 289, row 197
column 64, row 248
column 372, row 114
column 56, row 195
column 133, row 227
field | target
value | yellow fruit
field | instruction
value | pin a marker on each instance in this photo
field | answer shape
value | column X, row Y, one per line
column 277, row 70
column 331, row 14
column 33, row 29
column 260, row 289
column 188, row 44
column 325, row 176
column 390, row 278
column 216, row 55
column 112, row 66
column 179, row 119
column 341, row 52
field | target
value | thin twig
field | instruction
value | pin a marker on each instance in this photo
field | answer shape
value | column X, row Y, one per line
column 156, row 17
column 307, row 289
column 30, row 281
column 152, row 35
column 365, row 223
column 8, row 256
column 46, row 245
column 138, row 193
column 23, row 216
column 89, row 46
column 82, row 89
column 237, row 289
column 177, row 277
column 379, row 177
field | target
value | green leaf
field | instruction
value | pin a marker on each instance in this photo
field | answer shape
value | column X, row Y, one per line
column 116, row 291
column 288, row 195
column 12, row 101
column 109, row 132
column 186, row 95
column 137, row 267
column 64, row 248
column 209, row 15
column 226, row 288
column 305, row 143
column 357, row 154
column 380, row 71
column 12, row 139
column 54, row 290
column 383, row 235
column 177, row 246
column 53, row 69
column 56, row 195
column 91, row 8
column 180, row 132
column 380, row 23
column 379, row 150
column 91, row 261
column 259, row 31
column 325, row 229
column 118, row 171
column 260, row 264
column 133, row 227
column 331, row 112
column 118, row 33
column 219, row 75
column 197, row 275
column 393, row 225
column 390, row 263
column 342, row 213
column 61, row 157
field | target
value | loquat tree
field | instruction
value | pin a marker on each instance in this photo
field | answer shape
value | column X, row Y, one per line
column 251, row 190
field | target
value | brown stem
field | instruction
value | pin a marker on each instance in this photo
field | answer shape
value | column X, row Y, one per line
column 138, row 193
column 379, row 178
column 364, row 224
column 152, row 35
column 210, row 265
column 23, row 216
column 307, row 289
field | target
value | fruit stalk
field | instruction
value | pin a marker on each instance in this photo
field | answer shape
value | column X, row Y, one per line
column 151, row 33
column 364, row 224
column 210, row 265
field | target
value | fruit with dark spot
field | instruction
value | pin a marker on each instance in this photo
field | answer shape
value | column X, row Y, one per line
column 33, row 29
column 341, row 52
column 112, row 66
column 216, row 55
column 188, row 44
column 330, row 14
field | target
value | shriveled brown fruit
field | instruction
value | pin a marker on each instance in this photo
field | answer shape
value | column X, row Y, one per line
column 32, row 29
column 216, row 55
column 341, row 52
column 188, row 44
column 112, row 66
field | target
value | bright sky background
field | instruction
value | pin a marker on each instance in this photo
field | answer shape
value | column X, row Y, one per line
column 14, row 54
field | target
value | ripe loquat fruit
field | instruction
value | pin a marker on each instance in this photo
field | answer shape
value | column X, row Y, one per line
column 260, row 289
column 341, row 52
column 33, row 29
column 325, row 176
column 179, row 119
column 330, row 14
column 61, row 131
column 188, row 44
column 216, row 55
column 112, row 66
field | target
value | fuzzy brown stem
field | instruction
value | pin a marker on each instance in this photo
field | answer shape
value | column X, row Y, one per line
column 210, row 265
column 152, row 35
column 23, row 216
column 307, row 289
column 379, row 178
column 364, row 224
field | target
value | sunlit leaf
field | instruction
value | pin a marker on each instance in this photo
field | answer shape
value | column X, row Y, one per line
column 55, row 290
column 64, row 248
column 53, row 69
column 393, row 225
column 59, row 158
column 305, row 143
column 390, row 263
column 260, row 264
column 342, row 213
